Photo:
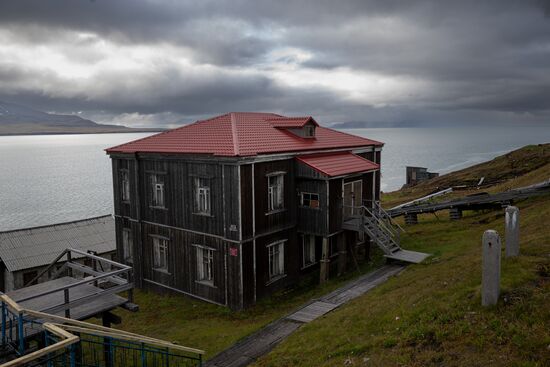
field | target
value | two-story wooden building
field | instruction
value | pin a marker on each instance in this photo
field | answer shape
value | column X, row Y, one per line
column 232, row 208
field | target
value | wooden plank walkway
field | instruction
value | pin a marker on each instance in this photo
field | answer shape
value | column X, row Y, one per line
column 101, row 303
column 261, row 342
column 408, row 256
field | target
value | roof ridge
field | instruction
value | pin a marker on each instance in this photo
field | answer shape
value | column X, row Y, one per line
column 355, row 136
column 288, row 117
column 56, row 224
column 234, row 134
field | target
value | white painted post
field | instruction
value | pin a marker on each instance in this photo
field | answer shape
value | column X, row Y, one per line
column 512, row 231
column 490, row 277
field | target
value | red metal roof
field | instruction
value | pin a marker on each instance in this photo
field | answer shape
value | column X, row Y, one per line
column 337, row 164
column 240, row 134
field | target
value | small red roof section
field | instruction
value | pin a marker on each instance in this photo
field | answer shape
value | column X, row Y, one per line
column 337, row 164
column 292, row 122
column 241, row 134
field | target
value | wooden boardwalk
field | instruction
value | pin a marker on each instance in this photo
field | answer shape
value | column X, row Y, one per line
column 261, row 342
column 54, row 302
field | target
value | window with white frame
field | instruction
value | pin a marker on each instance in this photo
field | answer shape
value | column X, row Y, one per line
column 205, row 261
column 310, row 200
column 127, row 252
column 309, row 131
column 157, row 191
column 160, row 253
column 202, row 196
column 275, row 191
column 308, row 249
column 276, row 252
column 125, row 184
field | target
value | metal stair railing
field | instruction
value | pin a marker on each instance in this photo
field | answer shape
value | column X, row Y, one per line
column 394, row 227
column 380, row 230
column 76, row 343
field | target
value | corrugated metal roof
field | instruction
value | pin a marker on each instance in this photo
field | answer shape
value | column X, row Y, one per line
column 242, row 134
column 31, row 247
column 337, row 164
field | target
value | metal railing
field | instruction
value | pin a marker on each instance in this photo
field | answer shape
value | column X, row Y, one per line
column 114, row 278
column 380, row 230
column 65, row 342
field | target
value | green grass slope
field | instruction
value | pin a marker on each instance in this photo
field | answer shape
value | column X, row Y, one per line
column 213, row 328
column 431, row 314
column 525, row 166
column 428, row 315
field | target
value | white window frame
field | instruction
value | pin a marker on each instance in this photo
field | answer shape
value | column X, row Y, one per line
column 275, row 192
column 205, row 264
column 309, row 131
column 125, row 184
column 308, row 250
column 310, row 194
column 160, row 254
column 127, row 246
column 157, row 192
column 276, row 260
column 202, row 197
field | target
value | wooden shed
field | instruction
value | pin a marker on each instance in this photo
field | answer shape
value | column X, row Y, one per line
column 24, row 253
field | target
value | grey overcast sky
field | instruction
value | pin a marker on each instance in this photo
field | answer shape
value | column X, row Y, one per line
column 144, row 63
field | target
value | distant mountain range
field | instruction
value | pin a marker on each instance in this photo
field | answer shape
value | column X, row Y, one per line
column 382, row 124
column 16, row 119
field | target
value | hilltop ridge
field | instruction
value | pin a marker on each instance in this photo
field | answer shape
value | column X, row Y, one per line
column 16, row 119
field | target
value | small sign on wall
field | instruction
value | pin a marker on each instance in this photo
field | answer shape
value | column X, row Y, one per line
column 233, row 251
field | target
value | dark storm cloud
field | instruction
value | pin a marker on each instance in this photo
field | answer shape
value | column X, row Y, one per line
column 472, row 57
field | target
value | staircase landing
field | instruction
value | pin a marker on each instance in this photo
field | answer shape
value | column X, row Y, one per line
column 383, row 238
column 408, row 256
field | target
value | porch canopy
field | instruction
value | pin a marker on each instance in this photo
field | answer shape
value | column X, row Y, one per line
column 338, row 163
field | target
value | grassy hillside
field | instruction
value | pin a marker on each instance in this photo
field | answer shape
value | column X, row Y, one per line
column 430, row 315
column 213, row 328
column 521, row 167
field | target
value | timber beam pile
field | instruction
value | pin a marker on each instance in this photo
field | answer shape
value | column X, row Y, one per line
column 474, row 202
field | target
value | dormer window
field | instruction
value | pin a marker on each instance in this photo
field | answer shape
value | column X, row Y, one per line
column 303, row 127
column 309, row 131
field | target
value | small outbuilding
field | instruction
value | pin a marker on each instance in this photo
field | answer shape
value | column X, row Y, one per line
column 24, row 253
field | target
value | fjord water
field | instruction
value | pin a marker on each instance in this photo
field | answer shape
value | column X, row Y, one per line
column 56, row 178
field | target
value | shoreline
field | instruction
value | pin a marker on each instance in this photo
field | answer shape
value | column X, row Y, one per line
column 85, row 132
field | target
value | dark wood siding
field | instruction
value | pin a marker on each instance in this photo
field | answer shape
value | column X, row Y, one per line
column 231, row 201
column 367, row 188
column 265, row 221
column 182, row 262
column 249, row 283
column 246, row 202
column 312, row 220
column 335, row 205
column 305, row 171
column 119, row 165
column 179, row 196
column 292, row 262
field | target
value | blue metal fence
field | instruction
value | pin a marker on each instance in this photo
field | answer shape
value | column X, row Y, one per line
column 26, row 334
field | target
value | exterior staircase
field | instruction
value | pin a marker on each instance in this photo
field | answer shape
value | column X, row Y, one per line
column 382, row 230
